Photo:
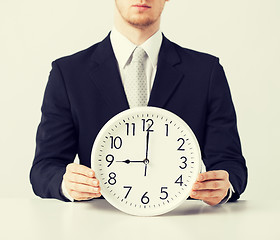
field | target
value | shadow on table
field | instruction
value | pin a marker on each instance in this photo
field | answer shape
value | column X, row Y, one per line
column 191, row 207
column 102, row 205
column 203, row 209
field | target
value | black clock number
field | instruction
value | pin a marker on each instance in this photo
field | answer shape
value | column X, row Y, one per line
column 166, row 130
column 116, row 142
column 184, row 162
column 130, row 127
column 112, row 178
column 110, row 159
column 129, row 189
column 164, row 192
column 182, row 141
column 145, row 199
column 147, row 124
column 179, row 180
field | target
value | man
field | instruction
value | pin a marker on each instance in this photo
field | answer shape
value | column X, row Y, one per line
column 88, row 88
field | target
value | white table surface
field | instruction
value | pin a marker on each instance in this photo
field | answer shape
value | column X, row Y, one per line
column 37, row 218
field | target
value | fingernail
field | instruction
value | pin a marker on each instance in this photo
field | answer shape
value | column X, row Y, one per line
column 193, row 193
column 195, row 186
column 200, row 177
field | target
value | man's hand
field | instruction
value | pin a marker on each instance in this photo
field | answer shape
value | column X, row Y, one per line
column 211, row 187
column 80, row 182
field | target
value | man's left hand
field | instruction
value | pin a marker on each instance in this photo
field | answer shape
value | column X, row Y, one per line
column 211, row 187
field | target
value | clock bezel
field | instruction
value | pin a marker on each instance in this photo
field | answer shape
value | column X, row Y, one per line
column 100, row 138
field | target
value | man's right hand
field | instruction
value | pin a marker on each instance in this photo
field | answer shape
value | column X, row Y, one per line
column 80, row 182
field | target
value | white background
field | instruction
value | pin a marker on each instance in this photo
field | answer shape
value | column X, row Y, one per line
column 244, row 34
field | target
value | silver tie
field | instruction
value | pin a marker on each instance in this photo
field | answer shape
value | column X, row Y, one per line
column 135, row 83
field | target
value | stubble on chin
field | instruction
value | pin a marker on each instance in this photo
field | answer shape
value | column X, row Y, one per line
column 140, row 22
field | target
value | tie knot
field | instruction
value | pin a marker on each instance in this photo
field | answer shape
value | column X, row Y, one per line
column 139, row 54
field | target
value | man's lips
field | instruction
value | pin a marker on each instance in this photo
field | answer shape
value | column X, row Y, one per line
column 141, row 6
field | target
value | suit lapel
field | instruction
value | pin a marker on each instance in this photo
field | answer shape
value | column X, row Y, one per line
column 167, row 77
column 106, row 76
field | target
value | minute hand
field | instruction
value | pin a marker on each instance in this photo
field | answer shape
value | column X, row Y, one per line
column 147, row 144
column 146, row 160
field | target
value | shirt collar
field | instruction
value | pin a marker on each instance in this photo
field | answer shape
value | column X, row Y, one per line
column 123, row 48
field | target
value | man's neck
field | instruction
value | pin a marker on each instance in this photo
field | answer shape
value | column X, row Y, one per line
column 135, row 34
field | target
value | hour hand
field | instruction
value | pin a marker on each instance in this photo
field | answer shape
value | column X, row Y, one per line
column 127, row 161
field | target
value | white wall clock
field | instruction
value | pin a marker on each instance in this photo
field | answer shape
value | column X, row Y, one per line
column 146, row 160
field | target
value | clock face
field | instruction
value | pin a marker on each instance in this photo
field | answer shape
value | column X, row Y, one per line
column 146, row 160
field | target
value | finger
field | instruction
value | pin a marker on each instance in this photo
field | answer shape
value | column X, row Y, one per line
column 77, row 178
column 83, row 196
column 211, row 185
column 212, row 175
column 80, row 169
column 203, row 194
column 212, row 201
column 77, row 187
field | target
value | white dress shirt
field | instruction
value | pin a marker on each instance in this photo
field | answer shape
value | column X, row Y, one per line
column 123, row 49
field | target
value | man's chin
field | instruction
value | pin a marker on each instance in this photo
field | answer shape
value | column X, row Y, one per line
column 141, row 23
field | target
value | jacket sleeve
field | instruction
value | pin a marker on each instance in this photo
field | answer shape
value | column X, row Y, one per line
column 56, row 140
column 222, row 148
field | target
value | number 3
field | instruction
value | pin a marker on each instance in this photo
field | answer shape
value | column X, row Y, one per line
column 184, row 162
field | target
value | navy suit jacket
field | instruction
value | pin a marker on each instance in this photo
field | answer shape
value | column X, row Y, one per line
column 85, row 90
